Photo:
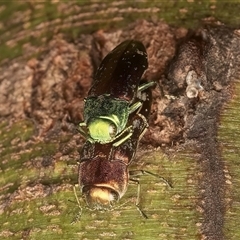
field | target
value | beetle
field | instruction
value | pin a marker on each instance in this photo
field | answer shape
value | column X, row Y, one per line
column 103, row 168
column 112, row 96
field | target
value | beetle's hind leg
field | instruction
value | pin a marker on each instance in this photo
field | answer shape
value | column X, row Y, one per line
column 137, row 173
column 137, row 203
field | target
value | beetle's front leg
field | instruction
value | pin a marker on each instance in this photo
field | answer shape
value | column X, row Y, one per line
column 134, row 107
column 145, row 86
column 140, row 96
column 122, row 140
column 83, row 130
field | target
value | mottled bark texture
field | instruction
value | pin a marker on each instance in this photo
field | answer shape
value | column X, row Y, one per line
column 46, row 93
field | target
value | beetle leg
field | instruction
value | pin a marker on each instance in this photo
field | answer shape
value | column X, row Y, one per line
column 122, row 140
column 79, row 214
column 145, row 86
column 134, row 107
column 137, row 203
column 144, row 129
column 82, row 124
column 141, row 88
column 143, row 172
column 83, row 130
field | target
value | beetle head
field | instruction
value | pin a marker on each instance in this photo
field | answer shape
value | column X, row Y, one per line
column 100, row 197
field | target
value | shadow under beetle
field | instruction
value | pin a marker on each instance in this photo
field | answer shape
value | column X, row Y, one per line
column 112, row 97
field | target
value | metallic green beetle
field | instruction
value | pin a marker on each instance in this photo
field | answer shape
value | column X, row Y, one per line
column 104, row 168
column 112, row 96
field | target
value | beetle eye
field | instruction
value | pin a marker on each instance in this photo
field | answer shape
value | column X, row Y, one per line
column 112, row 130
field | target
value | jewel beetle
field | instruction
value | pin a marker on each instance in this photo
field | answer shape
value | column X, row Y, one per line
column 112, row 96
column 103, row 168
